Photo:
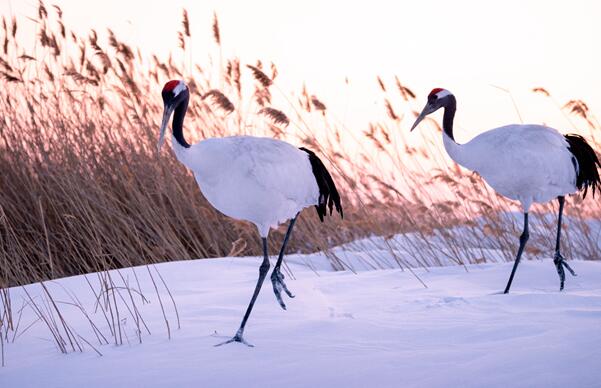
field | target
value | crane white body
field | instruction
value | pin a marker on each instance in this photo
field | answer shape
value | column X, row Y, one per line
column 257, row 179
column 526, row 163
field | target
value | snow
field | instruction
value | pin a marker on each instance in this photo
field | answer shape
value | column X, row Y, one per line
column 378, row 328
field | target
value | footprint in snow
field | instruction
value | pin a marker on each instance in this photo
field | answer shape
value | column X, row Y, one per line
column 334, row 314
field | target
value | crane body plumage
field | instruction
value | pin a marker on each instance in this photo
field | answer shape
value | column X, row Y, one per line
column 261, row 180
column 526, row 163
column 523, row 162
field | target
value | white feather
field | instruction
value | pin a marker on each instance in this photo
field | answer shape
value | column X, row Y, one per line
column 443, row 93
column 527, row 163
column 179, row 88
column 261, row 180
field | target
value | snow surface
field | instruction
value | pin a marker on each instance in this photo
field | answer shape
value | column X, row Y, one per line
column 367, row 329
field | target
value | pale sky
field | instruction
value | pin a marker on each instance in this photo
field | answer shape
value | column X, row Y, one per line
column 464, row 46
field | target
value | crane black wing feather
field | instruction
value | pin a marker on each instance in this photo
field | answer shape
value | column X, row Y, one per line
column 328, row 194
column 587, row 163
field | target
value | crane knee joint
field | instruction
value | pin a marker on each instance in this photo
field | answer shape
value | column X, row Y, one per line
column 524, row 237
column 264, row 267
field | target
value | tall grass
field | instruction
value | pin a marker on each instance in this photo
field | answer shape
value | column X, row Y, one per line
column 82, row 188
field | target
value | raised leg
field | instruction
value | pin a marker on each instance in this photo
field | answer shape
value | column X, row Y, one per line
column 523, row 240
column 277, row 278
column 558, row 258
column 263, row 269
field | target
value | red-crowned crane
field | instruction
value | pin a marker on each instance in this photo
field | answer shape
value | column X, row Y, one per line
column 261, row 180
column 526, row 163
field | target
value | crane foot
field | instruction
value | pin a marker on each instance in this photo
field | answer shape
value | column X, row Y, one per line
column 560, row 263
column 277, row 279
column 237, row 338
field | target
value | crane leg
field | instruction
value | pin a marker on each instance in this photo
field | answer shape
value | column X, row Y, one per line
column 277, row 278
column 523, row 240
column 558, row 259
column 263, row 269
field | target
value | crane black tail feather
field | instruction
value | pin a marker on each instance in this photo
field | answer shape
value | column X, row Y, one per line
column 587, row 163
column 328, row 194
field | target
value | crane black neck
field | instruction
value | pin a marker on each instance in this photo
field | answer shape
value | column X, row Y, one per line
column 178, row 122
column 450, row 107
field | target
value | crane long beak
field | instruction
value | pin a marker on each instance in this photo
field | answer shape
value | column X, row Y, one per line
column 166, row 115
column 421, row 116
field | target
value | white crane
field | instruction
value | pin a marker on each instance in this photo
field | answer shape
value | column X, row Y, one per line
column 526, row 163
column 261, row 180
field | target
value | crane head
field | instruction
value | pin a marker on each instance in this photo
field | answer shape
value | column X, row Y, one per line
column 437, row 98
column 174, row 93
